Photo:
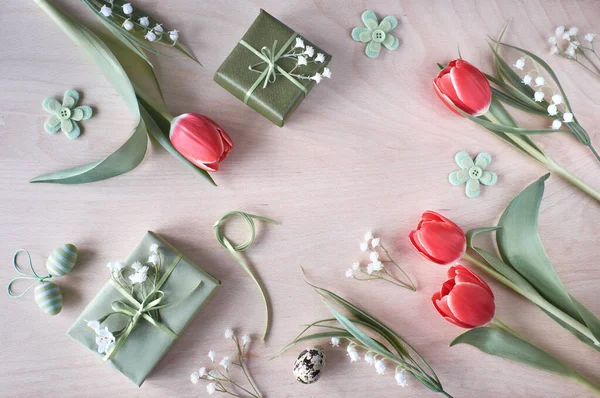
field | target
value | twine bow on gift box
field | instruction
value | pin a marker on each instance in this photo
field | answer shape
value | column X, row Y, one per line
column 146, row 309
column 269, row 57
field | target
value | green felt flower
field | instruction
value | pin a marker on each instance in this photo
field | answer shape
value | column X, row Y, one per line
column 473, row 173
column 65, row 117
column 375, row 34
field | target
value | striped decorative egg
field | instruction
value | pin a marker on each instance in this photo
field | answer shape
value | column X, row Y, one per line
column 48, row 297
column 62, row 260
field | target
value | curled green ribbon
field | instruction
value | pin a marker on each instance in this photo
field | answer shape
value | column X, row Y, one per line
column 270, row 58
column 24, row 275
column 234, row 249
column 146, row 309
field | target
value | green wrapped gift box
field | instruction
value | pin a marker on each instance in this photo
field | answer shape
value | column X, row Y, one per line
column 186, row 290
column 261, row 56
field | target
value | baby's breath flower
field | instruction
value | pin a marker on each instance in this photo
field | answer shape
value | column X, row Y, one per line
column 144, row 21
column 127, row 8
column 364, row 246
column 401, row 379
column 212, row 355
column 153, row 259
column 370, row 268
column 539, row 81
column 574, row 31
column 374, row 256
column 552, row 110
column 375, row 242
column 317, row 77
column 356, row 266
column 229, row 334
column 520, row 64
column 349, row 273
column 310, row 51
column 538, row 96
column 557, row 99
column 106, row 11
column 154, row 248
column 335, row 341
column 225, row 362
column 321, row 57
column 246, row 340
column 570, row 51
column 567, row 117
column 211, row 388
column 368, row 236
column 559, row 30
column 527, row 79
column 299, row 43
column 327, row 72
column 380, row 366
column 556, row 124
column 195, row 378
column 589, row 37
column 202, row 372
column 552, row 40
column 302, row 60
column 554, row 50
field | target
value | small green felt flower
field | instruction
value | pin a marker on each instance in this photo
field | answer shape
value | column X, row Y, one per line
column 473, row 173
column 65, row 117
column 375, row 34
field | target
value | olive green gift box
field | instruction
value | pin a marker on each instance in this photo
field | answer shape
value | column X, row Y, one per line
column 278, row 100
column 188, row 288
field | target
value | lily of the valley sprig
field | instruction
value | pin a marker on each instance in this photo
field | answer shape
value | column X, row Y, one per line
column 304, row 55
column 136, row 28
column 363, row 335
column 220, row 379
column 375, row 269
column 567, row 43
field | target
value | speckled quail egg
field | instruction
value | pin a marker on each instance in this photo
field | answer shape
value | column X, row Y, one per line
column 309, row 365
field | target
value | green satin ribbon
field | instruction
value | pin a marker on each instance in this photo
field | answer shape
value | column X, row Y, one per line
column 35, row 276
column 270, row 57
column 234, row 249
column 147, row 309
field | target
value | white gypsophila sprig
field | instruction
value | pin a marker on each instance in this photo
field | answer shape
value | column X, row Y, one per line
column 375, row 268
column 220, row 377
column 574, row 49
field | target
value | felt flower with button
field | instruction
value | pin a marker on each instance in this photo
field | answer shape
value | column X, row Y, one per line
column 66, row 115
column 473, row 173
column 376, row 34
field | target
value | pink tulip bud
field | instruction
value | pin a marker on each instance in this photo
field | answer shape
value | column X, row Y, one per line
column 200, row 140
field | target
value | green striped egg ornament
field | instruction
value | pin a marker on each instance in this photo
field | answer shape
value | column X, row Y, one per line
column 62, row 260
column 48, row 297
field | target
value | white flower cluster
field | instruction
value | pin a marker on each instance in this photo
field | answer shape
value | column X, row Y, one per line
column 541, row 87
column 104, row 338
column 571, row 43
column 152, row 34
column 369, row 243
column 373, row 359
column 304, row 58
column 217, row 377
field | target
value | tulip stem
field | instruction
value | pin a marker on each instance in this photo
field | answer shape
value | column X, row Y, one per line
column 544, row 159
column 157, row 107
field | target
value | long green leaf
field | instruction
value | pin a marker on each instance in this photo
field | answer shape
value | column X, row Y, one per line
column 128, row 156
column 520, row 246
column 315, row 336
column 506, row 345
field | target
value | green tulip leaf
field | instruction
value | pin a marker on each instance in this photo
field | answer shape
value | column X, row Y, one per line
column 520, row 246
column 128, row 156
column 506, row 345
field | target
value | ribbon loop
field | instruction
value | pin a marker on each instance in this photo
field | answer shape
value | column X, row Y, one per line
column 270, row 56
column 25, row 275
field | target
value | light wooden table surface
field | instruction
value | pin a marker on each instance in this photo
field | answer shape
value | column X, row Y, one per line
column 370, row 149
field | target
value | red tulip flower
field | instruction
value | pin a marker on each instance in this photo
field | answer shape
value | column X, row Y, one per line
column 438, row 239
column 465, row 299
column 465, row 86
column 200, row 140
